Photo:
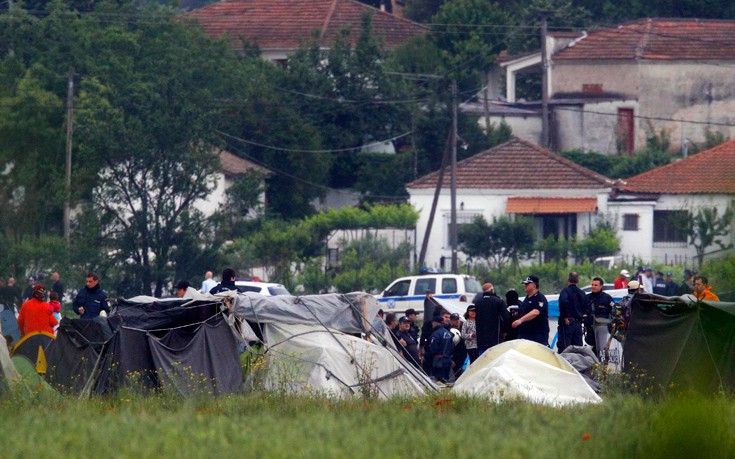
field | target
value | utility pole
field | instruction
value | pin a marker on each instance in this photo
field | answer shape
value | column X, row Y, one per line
column 69, row 133
column 453, row 221
column 544, row 83
column 437, row 192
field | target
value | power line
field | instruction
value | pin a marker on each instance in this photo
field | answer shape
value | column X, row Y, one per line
column 294, row 150
column 652, row 118
column 307, row 182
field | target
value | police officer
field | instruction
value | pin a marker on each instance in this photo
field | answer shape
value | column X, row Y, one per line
column 91, row 300
column 601, row 305
column 441, row 350
column 572, row 305
column 533, row 323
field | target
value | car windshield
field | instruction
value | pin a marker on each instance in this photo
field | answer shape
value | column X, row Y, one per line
column 278, row 290
column 471, row 285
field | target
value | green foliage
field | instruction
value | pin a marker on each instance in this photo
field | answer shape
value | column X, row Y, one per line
column 721, row 275
column 556, row 248
column 378, row 216
column 370, row 264
column 705, row 226
column 602, row 241
column 592, row 160
column 498, row 244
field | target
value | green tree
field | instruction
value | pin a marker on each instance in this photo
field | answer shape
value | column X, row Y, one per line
column 503, row 242
column 370, row 264
column 592, row 160
column 601, row 241
column 705, row 227
column 155, row 127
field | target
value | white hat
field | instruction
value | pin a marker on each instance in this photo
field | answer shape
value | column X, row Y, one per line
column 634, row 285
column 625, row 273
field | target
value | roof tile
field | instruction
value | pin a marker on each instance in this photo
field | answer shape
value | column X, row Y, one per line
column 657, row 39
column 517, row 164
column 286, row 24
column 708, row 172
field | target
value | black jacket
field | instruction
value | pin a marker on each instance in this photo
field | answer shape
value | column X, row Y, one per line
column 491, row 320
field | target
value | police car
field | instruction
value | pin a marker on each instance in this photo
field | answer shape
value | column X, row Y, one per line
column 409, row 292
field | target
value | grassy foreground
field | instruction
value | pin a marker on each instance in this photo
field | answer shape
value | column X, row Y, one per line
column 270, row 426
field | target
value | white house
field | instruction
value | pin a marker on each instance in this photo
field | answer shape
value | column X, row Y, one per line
column 646, row 206
column 517, row 177
column 231, row 168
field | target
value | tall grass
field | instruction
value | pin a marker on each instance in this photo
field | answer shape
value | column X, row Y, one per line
column 267, row 426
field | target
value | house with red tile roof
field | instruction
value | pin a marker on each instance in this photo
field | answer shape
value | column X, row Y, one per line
column 515, row 178
column 279, row 27
column 611, row 88
column 647, row 206
column 231, row 168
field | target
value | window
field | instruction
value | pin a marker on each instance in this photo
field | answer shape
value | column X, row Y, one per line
column 630, row 222
column 399, row 288
column 422, row 285
column 449, row 285
column 668, row 227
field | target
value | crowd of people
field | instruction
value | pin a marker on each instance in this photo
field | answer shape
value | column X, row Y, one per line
column 445, row 342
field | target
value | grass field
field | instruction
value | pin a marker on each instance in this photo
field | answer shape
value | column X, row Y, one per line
column 269, row 426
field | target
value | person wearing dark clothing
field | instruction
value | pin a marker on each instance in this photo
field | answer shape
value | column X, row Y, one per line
column 659, row 284
column 9, row 296
column 228, row 282
column 491, row 320
column 391, row 323
column 28, row 292
column 572, row 308
column 441, row 350
column 431, row 309
column 601, row 306
column 513, row 302
column 460, row 349
column 91, row 300
column 672, row 288
column 414, row 329
column 486, row 288
column 409, row 347
column 533, row 323
column 57, row 286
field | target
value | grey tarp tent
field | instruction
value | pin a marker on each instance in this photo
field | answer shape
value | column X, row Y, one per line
column 322, row 333
column 682, row 343
column 170, row 344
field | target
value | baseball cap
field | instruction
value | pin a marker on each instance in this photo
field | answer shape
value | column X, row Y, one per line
column 634, row 285
column 454, row 316
column 625, row 273
column 438, row 319
column 530, row 280
column 471, row 307
column 38, row 287
column 404, row 320
column 410, row 311
column 669, row 274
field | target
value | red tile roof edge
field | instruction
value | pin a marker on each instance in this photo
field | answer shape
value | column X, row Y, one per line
column 701, row 157
column 468, row 161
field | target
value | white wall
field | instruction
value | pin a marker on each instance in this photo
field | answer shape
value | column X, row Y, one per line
column 640, row 243
column 488, row 203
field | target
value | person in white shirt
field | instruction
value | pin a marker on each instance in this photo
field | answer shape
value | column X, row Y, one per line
column 647, row 280
column 208, row 283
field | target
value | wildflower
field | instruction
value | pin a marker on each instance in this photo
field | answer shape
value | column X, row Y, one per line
column 586, row 437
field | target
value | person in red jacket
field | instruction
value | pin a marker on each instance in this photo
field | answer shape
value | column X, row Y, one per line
column 36, row 315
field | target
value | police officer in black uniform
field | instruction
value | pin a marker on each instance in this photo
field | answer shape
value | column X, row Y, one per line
column 533, row 323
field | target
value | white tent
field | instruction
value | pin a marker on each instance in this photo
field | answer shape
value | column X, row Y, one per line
column 312, row 359
column 522, row 369
column 8, row 374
